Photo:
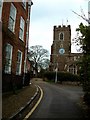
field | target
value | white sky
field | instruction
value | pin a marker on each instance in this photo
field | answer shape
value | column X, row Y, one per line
column 47, row 13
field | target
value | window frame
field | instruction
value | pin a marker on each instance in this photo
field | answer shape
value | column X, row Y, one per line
column 7, row 68
column 1, row 10
column 24, row 4
column 18, row 72
column 22, row 21
column 11, row 25
column 60, row 36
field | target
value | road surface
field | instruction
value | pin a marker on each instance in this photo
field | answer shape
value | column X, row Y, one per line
column 59, row 101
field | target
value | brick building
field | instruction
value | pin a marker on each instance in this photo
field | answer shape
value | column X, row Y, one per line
column 0, row 36
column 61, row 56
column 15, row 33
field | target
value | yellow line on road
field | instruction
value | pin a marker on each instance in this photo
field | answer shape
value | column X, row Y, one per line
column 32, row 110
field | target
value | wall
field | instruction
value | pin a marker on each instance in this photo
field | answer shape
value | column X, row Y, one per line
column 10, row 80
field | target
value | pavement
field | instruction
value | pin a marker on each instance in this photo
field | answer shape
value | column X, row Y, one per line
column 15, row 106
column 24, row 103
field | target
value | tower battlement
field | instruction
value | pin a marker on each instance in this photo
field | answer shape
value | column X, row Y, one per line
column 61, row 27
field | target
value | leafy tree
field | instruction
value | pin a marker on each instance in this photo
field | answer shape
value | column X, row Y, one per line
column 39, row 58
column 85, row 64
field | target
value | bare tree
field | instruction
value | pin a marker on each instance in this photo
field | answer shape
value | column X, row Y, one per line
column 39, row 57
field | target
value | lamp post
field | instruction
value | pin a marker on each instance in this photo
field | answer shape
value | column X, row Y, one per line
column 61, row 51
column 56, row 70
column 56, row 73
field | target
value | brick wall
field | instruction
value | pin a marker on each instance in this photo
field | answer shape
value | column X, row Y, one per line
column 13, row 39
column 0, row 46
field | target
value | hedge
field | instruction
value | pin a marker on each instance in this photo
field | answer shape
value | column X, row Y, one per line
column 61, row 76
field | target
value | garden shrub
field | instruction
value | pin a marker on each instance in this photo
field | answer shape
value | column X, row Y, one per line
column 61, row 76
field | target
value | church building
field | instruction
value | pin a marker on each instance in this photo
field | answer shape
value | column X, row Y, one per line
column 61, row 57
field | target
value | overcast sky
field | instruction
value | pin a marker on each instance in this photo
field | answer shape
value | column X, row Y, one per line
column 47, row 13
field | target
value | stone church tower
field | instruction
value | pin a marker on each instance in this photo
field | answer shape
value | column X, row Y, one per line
column 61, row 47
column 61, row 57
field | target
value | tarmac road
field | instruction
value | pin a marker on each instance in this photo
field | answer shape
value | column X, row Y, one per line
column 59, row 101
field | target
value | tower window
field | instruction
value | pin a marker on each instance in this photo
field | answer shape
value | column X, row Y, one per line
column 61, row 46
column 61, row 36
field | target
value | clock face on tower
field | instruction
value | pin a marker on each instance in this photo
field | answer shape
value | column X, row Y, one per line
column 61, row 51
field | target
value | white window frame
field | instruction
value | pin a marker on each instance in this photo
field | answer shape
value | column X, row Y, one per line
column 21, row 31
column 18, row 72
column 1, row 6
column 60, row 34
column 12, row 18
column 24, row 3
column 8, row 62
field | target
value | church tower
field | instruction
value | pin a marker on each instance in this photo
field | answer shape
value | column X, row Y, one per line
column 61, row 47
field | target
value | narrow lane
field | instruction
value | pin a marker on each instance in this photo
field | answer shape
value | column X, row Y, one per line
column 59, row 102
